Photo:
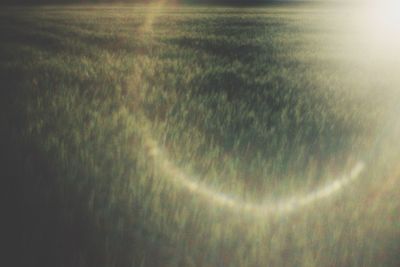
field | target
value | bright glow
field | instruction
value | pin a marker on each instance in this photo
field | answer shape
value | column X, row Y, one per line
column 385, row 20
column 380, row 27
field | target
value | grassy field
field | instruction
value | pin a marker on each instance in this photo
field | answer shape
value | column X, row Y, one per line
column 258, row 104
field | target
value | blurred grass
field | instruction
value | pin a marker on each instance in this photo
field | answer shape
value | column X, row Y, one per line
column 252, row 101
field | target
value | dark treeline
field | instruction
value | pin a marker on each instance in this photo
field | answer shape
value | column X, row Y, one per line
column 38, row 2
column 48, row 2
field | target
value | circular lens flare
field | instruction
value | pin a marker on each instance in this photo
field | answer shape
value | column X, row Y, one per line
column 178, row 177
column 277, row 207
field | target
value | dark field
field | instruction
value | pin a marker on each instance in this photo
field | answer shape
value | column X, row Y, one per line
column 106, row 108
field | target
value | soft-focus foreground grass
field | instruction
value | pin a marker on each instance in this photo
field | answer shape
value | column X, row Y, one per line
column 257, row 103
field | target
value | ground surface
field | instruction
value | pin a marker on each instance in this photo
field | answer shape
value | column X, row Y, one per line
column 256, row 103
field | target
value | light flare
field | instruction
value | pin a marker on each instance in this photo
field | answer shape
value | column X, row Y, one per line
column 208, row 194
column 379, row 25
column 283, row 206
column 152, row 13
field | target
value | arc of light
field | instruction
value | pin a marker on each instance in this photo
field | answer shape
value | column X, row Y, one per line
column 180, row 178
column 279, row 207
